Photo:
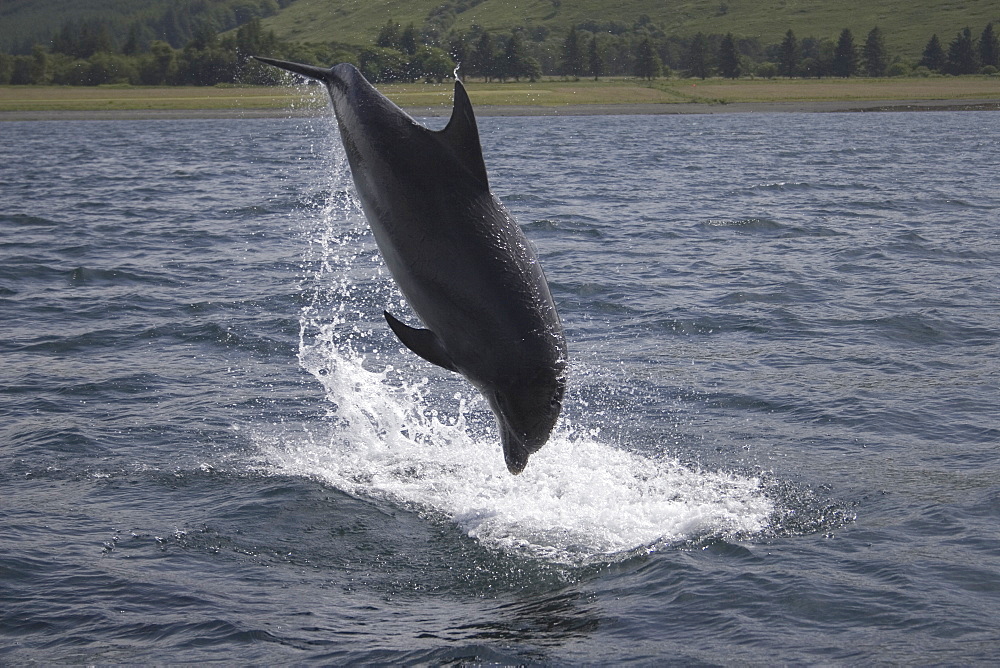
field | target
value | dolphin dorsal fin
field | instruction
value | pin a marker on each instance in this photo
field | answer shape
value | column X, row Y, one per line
column 423, row 342
column 462, row 134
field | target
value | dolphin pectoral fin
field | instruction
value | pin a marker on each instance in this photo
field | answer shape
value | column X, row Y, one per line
column 462, row 134
column 423, row 342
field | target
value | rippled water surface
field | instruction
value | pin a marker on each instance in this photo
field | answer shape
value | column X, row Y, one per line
column 780, row 442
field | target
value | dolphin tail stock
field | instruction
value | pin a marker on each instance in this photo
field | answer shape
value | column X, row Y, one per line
column 309, row 71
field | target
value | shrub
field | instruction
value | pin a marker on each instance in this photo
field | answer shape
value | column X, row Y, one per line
column 898, row 70
column 380, row 64
column 767, row 70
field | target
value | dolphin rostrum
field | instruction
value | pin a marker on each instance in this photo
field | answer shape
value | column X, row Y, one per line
column 456, row 254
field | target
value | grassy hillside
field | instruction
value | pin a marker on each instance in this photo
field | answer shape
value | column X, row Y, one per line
column 907, row 24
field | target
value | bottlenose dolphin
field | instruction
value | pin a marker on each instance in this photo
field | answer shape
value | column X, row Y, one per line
column 456, row 254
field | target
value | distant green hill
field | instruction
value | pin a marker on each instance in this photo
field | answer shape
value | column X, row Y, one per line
column 907, row 24
column 25, row 22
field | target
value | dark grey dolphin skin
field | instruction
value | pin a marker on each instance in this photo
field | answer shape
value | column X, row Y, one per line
column 456, row 254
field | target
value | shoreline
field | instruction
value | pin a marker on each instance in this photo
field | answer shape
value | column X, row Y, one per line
column 675, row 108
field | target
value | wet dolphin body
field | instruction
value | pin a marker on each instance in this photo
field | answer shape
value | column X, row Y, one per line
column 456, row 254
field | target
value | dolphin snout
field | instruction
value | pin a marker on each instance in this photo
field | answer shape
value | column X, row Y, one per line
column 523, row 431
column 526, row 412
column 515, row 451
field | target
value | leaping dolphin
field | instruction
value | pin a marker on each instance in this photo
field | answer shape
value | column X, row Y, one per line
column 456, row 254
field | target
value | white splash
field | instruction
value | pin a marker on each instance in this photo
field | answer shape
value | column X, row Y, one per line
column 390, row 437
column 579, row 499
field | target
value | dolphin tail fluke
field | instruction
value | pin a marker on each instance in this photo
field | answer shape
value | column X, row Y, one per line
column 310, row 71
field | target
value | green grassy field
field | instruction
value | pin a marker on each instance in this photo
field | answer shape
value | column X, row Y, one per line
column 543, row 93
column 102, row 98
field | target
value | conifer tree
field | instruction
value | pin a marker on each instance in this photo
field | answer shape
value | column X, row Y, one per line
column 647, row 62
column 594, row 59
column 408, row 40
column 39, row 65
column 484, row 57
column 845, row 56
column 788, row 62
column 516, row 61
column 961, row 54
column 388, row 36
column 729, row 58
column 572, row 54
column 933, row 58
column 697, row 56
column 876, row 59
column 989, row 47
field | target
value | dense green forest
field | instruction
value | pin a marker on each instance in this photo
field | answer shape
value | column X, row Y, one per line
column 194, row 42
column 24, row 23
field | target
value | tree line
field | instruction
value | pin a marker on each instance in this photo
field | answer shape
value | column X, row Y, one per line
column 965, row 55
column 87, row 55
column 643, row 50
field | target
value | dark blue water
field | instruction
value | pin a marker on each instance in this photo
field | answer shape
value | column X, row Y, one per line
column 780, row 443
